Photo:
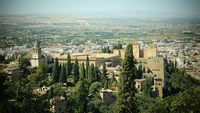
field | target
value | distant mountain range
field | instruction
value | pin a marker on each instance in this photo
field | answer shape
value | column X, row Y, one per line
column 129, row 14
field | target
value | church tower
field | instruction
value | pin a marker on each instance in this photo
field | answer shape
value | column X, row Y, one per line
column 36, row 54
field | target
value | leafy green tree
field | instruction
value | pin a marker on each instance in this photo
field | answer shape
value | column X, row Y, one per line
column 41, row 71
column 59, row 91
column 23, row 64
column 139, row 72
column 55, row 71
column 82, row 73
column 63, row 77
column 178, row 82
column 126, row 100
column 147, row 88
column 159, row 106
column 184, row 102
column 144, row 103
column 93, row 106
column 94, row 88
column 76, row 71
column 80, row 97
column 68, row 65
column 24, row 98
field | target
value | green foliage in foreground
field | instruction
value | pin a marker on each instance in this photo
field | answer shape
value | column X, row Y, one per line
column 184, row 102
column 126, row 100
column 18, row 97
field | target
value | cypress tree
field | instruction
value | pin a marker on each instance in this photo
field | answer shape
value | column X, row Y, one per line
column 139, row 72
column 63, row 74
column 126, row 100
column 50, row 94
column 113, row 81
column 82, row 73
column 97, row 74
column 91, row 74
column 68, row 65
column 104, row 70
column 55, row 73
column 87, row 65
column 59, row 69
column 76, row 71
column 175, row 66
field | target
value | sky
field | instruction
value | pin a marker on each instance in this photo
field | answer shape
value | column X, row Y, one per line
column 188, row 7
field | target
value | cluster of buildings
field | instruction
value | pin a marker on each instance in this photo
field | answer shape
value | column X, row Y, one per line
column 152, row 57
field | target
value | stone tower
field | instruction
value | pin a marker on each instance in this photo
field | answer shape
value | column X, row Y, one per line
column 152, row 50
column 136, row 50
column 36, row 54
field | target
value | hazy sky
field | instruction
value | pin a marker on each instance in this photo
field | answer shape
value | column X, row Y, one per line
column 189, row 7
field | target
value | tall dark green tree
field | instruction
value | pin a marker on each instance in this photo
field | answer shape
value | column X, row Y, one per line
column 63, row 77
column 139, row 72
column 91, row 74
column 126, row 100
column 97, row 74
column 87, row 65
column 76, row 71
column 113, row 81
column 68, row 65
column 104, row 74
column 175, row 66
column 55, row 71
column 82, row 73
column 107, row 49
column 104, row 71
column 147, row 88
column 80, row 97
column 50, row 93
